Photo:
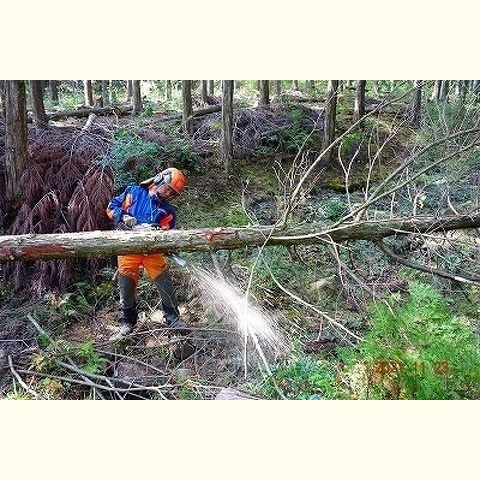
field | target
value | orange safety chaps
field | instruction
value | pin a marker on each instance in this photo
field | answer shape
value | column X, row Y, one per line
column 154, row 264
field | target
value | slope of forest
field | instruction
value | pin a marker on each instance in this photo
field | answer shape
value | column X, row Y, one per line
column 393, row 318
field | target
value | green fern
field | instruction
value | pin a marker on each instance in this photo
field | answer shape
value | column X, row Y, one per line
column 420, row 351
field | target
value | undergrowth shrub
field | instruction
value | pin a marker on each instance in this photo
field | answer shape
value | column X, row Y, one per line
column 132, row 158
column 335, row 209
column 418, row 351
column 302, row 378
column 302, row 131
column 276, row 262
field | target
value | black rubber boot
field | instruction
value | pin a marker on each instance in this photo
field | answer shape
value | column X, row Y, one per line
column 130, row 316
column 169, row 304
column 127, row 323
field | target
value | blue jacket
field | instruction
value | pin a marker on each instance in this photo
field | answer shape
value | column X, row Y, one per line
column 140, row 202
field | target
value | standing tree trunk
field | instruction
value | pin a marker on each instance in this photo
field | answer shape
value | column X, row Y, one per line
column 204, row 94
column 416, row 104
column 278, row 87
column 16, row 153
column 264, row 93
column 2, row 98
column 295, row 84
column 168, row 90
column 87, row 89
column 40, row 118
column 437, row 86
column 187, row 106
column 227, row 125
column 359, row 110
column 211, row 87
column 53, row 88
column 111, row 93
column 136, row 97
column 330, row 118
column 129, row 90
column 105, row 93
column 462, row 92
column 444, row 90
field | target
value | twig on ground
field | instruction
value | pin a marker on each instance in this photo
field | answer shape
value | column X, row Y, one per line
column 21, row 382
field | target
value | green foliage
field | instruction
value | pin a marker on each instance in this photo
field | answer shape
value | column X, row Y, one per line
column 235, row 216
column 350, row 143
column 92, row 361
column 418, row 351
column 180, row 152
column 335, row 209
column 302, row 378
column 297, row 135
column 280, row 265
column 132, row 158
column 148, row 108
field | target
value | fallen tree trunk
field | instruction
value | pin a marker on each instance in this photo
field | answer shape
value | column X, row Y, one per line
column 232, row 394
column 119, row 242
column 196, row 113
column 85, row 112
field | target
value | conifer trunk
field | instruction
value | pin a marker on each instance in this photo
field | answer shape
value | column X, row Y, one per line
column 227, row 125
column 40, row 118
column 108, row 243
column 16, row 154
column 187, row 106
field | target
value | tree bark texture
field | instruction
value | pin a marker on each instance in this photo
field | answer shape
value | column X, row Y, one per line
column 120, row 242
column 129, row 89
column 264, row 100
column 436, row 91
column 53, row 89
column 40, row 118
column 105, row 95
column 211, row 87
column 85, row 112
column 330, row 117
column 16, row 154
column 204, row 91
column 2, row 97
column 416, row 104
column 444, row 90
column 359, row 110
column 187, row 106
column 278, row 87
column 136, row 97
column 232, row 394
column 168, row 90
column 226, row 144
column 88, row 92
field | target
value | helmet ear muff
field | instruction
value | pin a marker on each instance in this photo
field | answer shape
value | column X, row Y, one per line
column 158, row 179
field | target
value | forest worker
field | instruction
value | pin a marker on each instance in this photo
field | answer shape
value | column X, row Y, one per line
column 147, row 203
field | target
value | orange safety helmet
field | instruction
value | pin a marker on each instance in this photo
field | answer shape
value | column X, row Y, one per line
column 172, row 177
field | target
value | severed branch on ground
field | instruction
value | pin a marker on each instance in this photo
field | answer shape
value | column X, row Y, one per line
column 434, row 271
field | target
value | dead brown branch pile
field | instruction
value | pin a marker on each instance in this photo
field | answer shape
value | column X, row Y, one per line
column 63, row 192
column 252, row 128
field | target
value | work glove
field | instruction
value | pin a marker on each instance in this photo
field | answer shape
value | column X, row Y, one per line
column 129, row 221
